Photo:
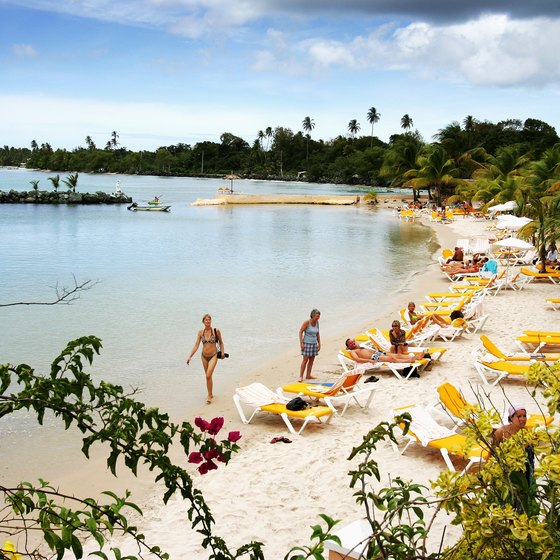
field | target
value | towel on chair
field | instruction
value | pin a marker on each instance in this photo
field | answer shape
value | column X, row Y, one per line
column 424, row 427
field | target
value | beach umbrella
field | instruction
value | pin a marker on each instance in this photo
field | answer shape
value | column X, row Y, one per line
column 511, row 244
column 512, row 222
column 231, row 177
column 505, row 207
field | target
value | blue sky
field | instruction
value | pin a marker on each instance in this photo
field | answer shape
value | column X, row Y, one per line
column 160, row 72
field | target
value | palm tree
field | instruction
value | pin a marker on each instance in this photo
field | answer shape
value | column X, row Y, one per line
column 353, row 127
column 89, row 143
column 55, row 182
column 71, row 181
column 260, row 137
column 268, row 133
column 435, row 170
column 406, row 122
column 35, row 185
column 372, row 116
column 308, row 125
column 114, row 140
column 34, row 145
column 539, row 198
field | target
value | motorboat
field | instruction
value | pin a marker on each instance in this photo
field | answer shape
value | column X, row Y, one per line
column 135, row 207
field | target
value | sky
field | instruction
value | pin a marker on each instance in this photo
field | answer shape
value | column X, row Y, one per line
column 163, row 72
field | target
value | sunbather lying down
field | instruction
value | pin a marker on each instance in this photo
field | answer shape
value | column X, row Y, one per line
column 368, row 355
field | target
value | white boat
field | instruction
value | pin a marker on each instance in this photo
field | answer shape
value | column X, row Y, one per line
column 134, row 207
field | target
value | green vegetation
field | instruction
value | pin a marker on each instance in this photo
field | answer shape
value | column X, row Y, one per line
column 500, row 515
column 283, row 153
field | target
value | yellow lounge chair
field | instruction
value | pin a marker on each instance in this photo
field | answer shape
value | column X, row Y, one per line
column 344, row 390
column 500, row 368
column 554, row 302
column 426, row 431
column 492, row 349
column 552, row 275
column 261, row 399
column 534, row 343
column 452, row 401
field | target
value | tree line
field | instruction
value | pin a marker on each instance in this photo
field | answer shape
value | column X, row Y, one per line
column 281, row 153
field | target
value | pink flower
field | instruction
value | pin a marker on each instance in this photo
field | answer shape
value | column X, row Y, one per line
column 208, row 466
column 234, row 436
column 215, row 425
column 195, row 457
column 212, row 454
column 201, row 424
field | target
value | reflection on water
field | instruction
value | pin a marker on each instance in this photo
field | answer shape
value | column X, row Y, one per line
column 258, row 270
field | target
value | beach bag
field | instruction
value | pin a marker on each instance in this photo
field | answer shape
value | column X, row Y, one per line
column 221, row 355
column 297, row 404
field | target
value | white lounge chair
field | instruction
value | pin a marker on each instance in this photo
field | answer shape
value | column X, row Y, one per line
column 345, row 390
column 425, row 431
column 260, row 398
column 348, row 363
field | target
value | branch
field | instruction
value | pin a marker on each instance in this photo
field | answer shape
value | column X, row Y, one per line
column 64, row 295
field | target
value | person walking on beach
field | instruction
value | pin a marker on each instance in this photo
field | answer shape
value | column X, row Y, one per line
column 310, row 343
column 210, row 339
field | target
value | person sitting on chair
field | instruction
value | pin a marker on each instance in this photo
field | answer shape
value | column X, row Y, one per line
column 457, row 256
column 397, row 338
column 413, row 317
column 489, row 267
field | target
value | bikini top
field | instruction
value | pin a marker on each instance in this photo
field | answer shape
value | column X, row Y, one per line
column 211, row 340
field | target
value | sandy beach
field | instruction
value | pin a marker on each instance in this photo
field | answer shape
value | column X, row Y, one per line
column 274, row 493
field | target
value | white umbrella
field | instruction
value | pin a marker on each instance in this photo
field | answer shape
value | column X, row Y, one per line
column 505, row 207
column 511, row 244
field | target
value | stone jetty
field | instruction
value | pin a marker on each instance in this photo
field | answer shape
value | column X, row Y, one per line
column 66, row 197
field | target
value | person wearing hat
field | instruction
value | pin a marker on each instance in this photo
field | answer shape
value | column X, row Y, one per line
column 523, row 496
column 517, row 418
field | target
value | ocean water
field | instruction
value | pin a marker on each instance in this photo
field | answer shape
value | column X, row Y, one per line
column 258, row 270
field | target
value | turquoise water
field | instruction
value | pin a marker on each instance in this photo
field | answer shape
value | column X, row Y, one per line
column 258, row 270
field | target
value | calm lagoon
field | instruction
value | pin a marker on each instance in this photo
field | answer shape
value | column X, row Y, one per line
column 258, row 270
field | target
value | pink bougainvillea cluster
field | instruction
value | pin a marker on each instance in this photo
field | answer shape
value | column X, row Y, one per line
column 211, row 451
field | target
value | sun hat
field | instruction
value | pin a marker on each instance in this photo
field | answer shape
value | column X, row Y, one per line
column 513, row 409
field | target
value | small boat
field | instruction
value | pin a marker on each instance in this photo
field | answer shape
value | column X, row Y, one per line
column 134, row 207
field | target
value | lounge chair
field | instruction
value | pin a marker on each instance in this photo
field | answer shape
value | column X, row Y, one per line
column 494, row 351
column 348, row 363
column 453, row 403
column 554, row 302
column 532, row 342
column 427, row 432
column 500, row 368
column 261, row 399
column 382, row 343
column 344, row 391
column 552, row 275
column 458, row 327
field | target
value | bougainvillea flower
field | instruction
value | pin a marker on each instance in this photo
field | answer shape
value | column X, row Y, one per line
column 201, row 423
column 234, row 436
column 215, row 425
column 195, row 457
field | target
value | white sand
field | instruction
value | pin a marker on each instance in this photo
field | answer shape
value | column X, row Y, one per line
column 273, row 493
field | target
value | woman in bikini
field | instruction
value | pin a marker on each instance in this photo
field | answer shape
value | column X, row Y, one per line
column 210, row 338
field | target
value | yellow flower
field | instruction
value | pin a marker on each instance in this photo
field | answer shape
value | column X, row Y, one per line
column 9, row 551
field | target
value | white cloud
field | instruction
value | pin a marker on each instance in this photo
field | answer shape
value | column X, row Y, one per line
column 490, row 51
column 23, row 50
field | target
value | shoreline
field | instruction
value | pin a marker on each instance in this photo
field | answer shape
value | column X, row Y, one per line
column 311, row 473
